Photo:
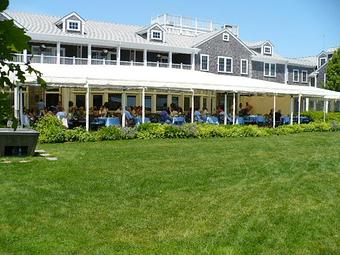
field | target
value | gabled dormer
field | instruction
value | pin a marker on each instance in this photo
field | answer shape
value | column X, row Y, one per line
column 71, row 23
column 322, row 59
column 267, row 48
column 153, row 33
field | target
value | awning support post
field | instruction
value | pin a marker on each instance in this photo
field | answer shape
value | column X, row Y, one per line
column 143, row 105
column 307, row 105
column 274, row 111
column 87, row 107
column 123, row 108
column 325, row 110
column 234, row 108
column 21, row 107
column 299, row 109
column 291, row 110
column 16, row 101
column 192, row 106
column 225, row 108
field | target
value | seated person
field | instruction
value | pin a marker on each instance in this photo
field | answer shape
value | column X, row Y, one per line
column 61, row 114
column 197, row 116
column 248, row 109
column 165, row 116
column 129, row 116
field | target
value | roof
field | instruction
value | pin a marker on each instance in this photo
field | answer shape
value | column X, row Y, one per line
column 167, row 78
column 255, row 44
column 45, row 24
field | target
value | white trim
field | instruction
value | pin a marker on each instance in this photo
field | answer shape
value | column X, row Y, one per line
column 247, row 66
column 306, row 72
column 204, row 55
column 225, row 64
column 152, row 37
column 325, row 58
column 225, row 37
column 73, row 21
column 270, row 69
column 267, row 47
column 324, row 79
column 298, row 75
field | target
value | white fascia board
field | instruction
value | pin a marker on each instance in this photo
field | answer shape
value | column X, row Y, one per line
column 108, row 43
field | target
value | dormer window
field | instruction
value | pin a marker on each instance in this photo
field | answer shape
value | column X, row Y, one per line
column 73, row 25
column 322, row 61
column 226, row 37
column 267, row 50
column 156, row 35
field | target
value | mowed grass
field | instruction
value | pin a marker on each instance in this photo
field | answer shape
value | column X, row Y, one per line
column 269, row 195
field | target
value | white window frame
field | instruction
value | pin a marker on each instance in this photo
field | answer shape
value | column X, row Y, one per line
column 298, row 75
column 73, row 21
column 156, row 38
column 267, row 47
column 204, row 55
column 323, row 63
column 270, row 68
column 225, row 64
column 225, row 37
column 247, row 67
column 302, row 72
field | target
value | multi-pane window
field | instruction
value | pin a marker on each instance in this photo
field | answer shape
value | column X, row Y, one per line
column 269, row 69
column 322, row 61
column 296, row 75
column 225, row 37
column 244, row 66
column 267, row 50
column 156, row 35
column 73, row 25
column 205, row 62
column 304, row 76
column 161, row 102
column 225, row 64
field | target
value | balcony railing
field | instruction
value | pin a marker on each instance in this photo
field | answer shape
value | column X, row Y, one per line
column 46, row 59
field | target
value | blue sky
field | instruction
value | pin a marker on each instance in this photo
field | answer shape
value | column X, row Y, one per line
column 295, row 27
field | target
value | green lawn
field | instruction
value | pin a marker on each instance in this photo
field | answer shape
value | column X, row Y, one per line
column 268, row 195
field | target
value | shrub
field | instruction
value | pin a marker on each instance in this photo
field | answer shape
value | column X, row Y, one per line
column 110, row 133
column 318, row 116
column 51, row 130
column 151, row 130
column 79, row 135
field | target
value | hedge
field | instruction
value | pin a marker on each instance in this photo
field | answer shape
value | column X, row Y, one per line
column 52, row 131
column 318, row 116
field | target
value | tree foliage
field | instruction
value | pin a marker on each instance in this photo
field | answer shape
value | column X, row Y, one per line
column 12, row 40
column 333, row 72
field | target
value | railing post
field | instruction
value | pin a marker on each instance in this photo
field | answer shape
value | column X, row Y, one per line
column 103, row 61
column 170, row 59
column 118, row 56
column 157, row 63
column 145, row 57
column 181, row 65
column 74, row 60
column 42, row 58
column 58, row 53
column 131, row 63
column 89, row 54
column 24, row 56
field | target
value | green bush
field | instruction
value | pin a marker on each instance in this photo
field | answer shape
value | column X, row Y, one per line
column 151, row 130
column 79, row 135
column 110, row 133
column 51, row 130
column 318, row 116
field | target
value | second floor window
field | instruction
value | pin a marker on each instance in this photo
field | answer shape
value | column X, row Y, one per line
column 156, row 35
column 204, row 62
column 225, row 65
column 304, row 75
column 296, row 75
column 269, row 69
column 73, row 25
column 322, row 61
column 244, row 66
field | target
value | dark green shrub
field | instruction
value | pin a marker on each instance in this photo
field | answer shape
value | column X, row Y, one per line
column 79, row 135
column 51, row 130
column 110, row 133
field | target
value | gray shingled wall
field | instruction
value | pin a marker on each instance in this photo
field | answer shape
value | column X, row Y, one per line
column 300, row 68
column 217, row 47
column 258, row 72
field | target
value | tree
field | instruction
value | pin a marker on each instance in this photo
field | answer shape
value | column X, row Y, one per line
column 12, row 40
column 333, row 72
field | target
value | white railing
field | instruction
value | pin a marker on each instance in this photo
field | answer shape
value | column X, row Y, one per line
column 46, row 59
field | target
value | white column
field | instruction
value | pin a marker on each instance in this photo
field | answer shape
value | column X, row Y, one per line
column 291, row 110
column 286, row 73
column 21, row 107
column 87, row 102
column 225, row 108
column 143, row 105
column 123, row 108
column 238, row 103
column 153, row 103
column 325, row 103
column 274, row 111
column 118, row 56
column 299, row 109
column 234, row 108
column 89, row 54
column 24, row 54
column 193, row 61
column 16, row 101
column 192, row 106
column 58, row 53
column 145, row 57
column 170, row 59
column 307, row 104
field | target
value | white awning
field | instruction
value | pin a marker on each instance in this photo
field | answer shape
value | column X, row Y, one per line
column 103, row 76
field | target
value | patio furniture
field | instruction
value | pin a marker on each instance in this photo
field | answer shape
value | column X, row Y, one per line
column 138, row 120
column 240, row 120
column 212, row 120
column 112, row 121
column 178, row 120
